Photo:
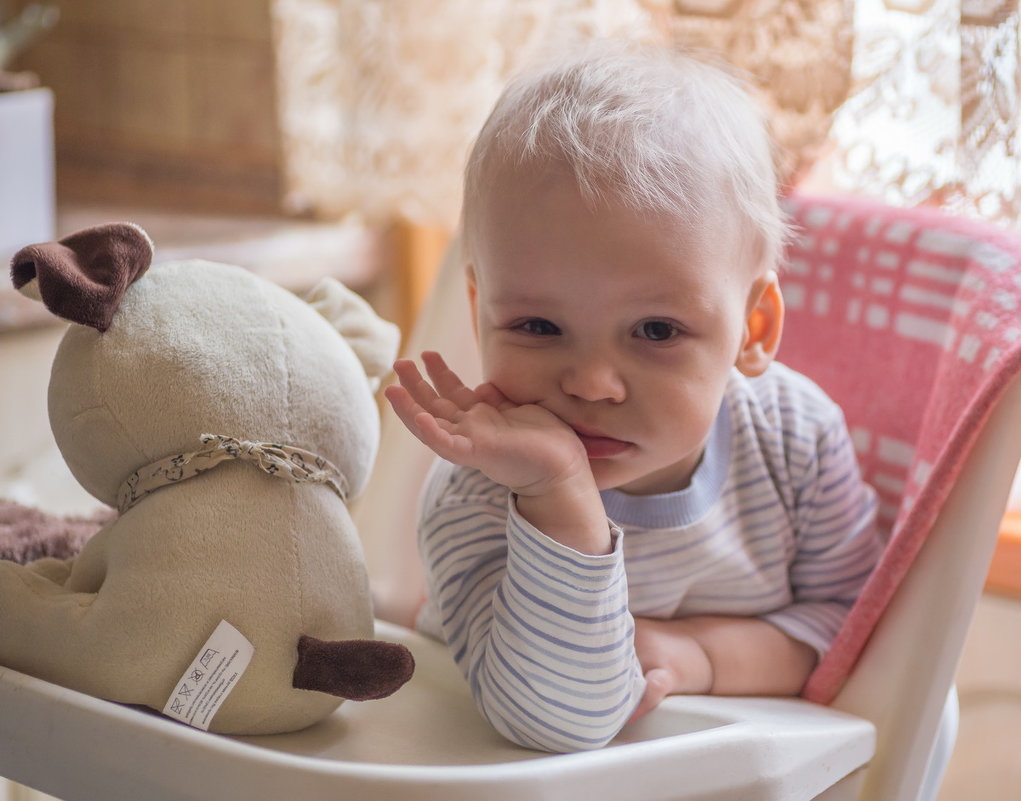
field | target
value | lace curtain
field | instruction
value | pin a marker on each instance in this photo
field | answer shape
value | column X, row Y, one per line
column 934, row 116
column 797, row 53
column 379, row 100
column 912, row 101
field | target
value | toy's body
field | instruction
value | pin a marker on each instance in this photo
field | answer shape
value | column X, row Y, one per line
column 198, row 348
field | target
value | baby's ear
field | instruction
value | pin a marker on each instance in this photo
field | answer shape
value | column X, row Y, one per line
column 473, row 298
column 763, row 326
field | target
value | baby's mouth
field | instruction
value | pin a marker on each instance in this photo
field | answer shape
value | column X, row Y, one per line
column 598, row 446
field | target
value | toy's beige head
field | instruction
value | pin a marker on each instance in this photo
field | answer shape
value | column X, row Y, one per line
column 195, row 348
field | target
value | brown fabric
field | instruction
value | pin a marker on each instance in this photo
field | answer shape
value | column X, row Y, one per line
column 359, row 670
column 83, row 277
column 27, row 534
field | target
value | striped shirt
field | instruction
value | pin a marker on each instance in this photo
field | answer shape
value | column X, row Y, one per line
column 776, row 523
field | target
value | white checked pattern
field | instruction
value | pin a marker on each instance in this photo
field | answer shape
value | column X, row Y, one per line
column 911, row 321
column 905, row 292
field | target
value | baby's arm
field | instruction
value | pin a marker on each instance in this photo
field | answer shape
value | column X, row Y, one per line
column 718, row 655
column 533, row 609
column 836, row 547
column 541, row 632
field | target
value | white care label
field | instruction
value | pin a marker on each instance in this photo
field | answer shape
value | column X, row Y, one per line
column 210, row 677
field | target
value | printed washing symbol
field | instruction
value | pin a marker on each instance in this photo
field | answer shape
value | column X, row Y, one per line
column 207, row 657
column 185, row 690
column 196, row 675
column 177, row 707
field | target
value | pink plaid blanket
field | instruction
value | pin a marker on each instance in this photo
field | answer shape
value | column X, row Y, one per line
column 910, row 320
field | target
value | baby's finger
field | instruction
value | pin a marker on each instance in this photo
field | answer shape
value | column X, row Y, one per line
column 438, row 435
column 421, row 391
column 657, row 687
column 404, row 406
column 412, row 380
column 447, row 383
column 435, row 433
column 488, row 393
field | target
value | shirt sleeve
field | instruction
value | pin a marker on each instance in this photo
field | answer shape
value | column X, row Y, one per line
column 541, row 632
column 837, row 542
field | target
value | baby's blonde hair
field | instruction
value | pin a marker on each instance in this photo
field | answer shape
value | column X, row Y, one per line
column 650, row 128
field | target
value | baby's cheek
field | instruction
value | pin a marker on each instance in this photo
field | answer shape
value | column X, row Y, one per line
column 518, row 379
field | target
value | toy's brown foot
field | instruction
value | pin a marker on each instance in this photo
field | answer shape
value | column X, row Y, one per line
column 360, row 670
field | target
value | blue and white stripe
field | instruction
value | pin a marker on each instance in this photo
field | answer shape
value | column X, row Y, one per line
column 776, row 524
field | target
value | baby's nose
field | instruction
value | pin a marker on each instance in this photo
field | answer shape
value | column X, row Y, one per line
column 593, row 379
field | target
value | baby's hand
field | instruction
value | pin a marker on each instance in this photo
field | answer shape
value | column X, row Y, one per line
column 672, row 660
column 525, row 448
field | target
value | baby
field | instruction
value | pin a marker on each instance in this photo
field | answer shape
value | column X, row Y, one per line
column 638, row 501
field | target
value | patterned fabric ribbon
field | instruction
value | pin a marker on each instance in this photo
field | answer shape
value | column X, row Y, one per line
column 283, row 461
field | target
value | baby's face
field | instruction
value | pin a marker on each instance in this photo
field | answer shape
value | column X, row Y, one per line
column 613, row 322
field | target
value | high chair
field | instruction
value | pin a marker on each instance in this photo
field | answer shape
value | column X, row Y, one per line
column 910, row 320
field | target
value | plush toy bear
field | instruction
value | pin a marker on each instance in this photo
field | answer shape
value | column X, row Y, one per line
column 229, row 422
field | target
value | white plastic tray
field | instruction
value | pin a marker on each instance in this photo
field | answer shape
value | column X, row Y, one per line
column 426, row 742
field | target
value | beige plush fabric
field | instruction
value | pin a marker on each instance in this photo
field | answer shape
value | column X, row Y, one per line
column 198, row 347
column 373, row 339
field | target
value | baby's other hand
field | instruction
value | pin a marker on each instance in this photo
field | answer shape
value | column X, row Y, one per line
column 525, row 448
column 672, row 660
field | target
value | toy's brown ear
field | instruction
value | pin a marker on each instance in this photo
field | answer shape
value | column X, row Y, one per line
column 82, row 278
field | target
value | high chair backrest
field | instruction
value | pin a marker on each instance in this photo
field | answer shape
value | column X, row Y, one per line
column 903, row 316
column 910, row 320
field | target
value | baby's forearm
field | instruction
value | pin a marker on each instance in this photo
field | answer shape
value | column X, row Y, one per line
column 752, row 657
column 541, row 631
column 572, row 514
column 724, row 655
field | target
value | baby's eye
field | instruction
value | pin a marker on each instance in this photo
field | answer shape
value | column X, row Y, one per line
column 657, row 330
column 538, row 327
